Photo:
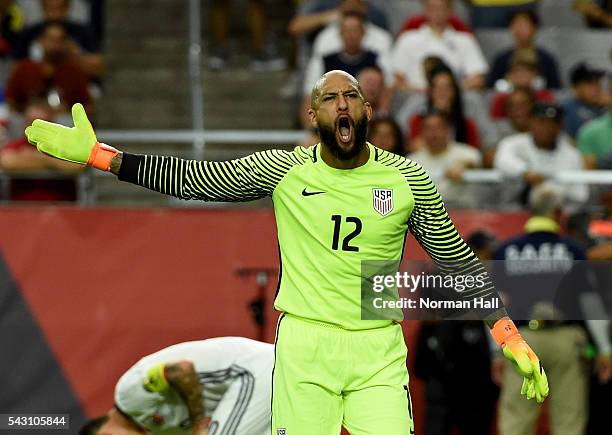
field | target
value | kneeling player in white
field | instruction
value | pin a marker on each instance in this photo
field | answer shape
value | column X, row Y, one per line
column 220, row 386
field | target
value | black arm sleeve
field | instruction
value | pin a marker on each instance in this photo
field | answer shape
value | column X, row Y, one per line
column 248, row 178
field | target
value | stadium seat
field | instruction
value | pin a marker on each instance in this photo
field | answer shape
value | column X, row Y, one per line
column 559, row 13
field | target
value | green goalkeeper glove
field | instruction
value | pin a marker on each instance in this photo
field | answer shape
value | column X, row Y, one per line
column 535, row 382
column 77, row 144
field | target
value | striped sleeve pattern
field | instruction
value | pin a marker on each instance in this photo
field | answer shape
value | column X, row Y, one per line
column 434, row 230
column 245, row 179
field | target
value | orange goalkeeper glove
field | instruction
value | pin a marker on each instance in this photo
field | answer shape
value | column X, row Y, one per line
column 535, row 382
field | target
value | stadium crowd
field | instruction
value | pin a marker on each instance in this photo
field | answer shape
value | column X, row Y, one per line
column 50, row 58
column 517, row 110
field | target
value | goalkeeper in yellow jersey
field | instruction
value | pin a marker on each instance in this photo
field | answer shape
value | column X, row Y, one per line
column 338, row 205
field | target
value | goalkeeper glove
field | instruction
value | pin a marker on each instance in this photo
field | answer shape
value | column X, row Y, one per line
column 155, row 380
column 535, row 382
column 77, row 144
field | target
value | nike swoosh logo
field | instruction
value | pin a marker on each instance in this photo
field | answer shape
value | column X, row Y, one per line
column 304, row 193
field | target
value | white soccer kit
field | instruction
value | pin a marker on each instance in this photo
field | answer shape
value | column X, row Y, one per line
column 236, row 376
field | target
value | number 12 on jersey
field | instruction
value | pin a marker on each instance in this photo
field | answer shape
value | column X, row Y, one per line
column 345, row 242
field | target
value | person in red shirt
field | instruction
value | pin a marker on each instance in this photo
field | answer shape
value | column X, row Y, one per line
column 83, row 40
column 20, row 156
column 416, row 21
column 57, row 76
column 444, row 94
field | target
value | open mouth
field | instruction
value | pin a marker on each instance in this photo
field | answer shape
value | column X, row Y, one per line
column 344, row 129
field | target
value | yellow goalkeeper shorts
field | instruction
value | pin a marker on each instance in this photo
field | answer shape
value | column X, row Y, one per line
column 325, row 376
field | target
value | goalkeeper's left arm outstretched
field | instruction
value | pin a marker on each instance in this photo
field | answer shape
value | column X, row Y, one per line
column 238, row 180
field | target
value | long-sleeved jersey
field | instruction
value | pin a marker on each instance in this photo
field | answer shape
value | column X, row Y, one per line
column 329, row 220
column 235, row 376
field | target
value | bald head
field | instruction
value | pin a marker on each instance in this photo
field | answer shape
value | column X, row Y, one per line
column 341, row 114
column 320, row 84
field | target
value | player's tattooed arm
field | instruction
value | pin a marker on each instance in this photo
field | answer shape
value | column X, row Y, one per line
column 184, row 379
column 116, row 163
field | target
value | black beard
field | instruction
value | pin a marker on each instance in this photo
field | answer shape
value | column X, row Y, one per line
column 328, row 138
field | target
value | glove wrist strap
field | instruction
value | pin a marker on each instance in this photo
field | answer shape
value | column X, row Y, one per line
column 503, row 330
column 101, row 156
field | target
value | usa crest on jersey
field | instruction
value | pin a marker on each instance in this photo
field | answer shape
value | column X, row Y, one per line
column 383, row 200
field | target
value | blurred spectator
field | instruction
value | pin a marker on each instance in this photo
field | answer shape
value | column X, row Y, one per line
column 445, row 95
column 524, row 26
column 531, row 269
column 372, row 82
column 327, row 40
column 597, row 13
column 20, row 156
column 11, row 24
column 78, row 11
column 82, row 42
column 518, row 111
column 314, row 15
column 445, row 160
column 594, row 142
column 459, row 50
column 459, row 393
column 264, row 57
column 375, row 38
column 474, row 104
column 416, row 102
column 539, row 155
column 57, row 76
column 55, row 10
column 589, row 99
column 353, row 57
column 385, row 134
column 496, row 13
column 523, row 73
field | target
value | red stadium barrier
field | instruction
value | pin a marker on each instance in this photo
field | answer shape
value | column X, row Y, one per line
column 107, row 286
